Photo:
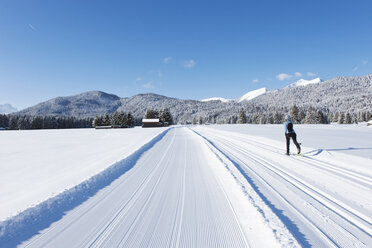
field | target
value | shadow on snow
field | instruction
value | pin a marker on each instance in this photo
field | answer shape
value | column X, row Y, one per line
column 319, row 151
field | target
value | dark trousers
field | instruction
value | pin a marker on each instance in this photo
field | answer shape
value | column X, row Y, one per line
column 288, row 136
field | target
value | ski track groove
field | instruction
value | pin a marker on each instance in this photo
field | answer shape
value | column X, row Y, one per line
column 325, row 237
column 340, row 209
column 197, row 212
column 321, row 164
column 296, row 181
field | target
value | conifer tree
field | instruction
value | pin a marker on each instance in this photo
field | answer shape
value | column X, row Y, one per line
column 341, row 118
column 295, row 114
column 129, row 120
column 107, row 120
column 242, row 119
column 348, row 119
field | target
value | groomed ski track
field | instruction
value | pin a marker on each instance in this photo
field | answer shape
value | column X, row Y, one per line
column 178, row 194
column 322, row 203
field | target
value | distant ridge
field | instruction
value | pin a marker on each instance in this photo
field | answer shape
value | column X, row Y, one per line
column 345, row 94
column 216, row 99
column 303, row 82
column 86, row 104
column 246, row 97
column 7, row 109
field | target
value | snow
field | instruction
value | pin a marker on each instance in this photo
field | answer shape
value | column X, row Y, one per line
column 303, row 82
column 7, row 109
column 323, row 197
column 36, row 165
column 178, row 194
column 216, row 99
column 252, row 94
column 351, row 139
column 150, row 120
column 195, row 186
column 246, row 97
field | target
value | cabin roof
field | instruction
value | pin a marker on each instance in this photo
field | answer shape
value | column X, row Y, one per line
column 150, row 120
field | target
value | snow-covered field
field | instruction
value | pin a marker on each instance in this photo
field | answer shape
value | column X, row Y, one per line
column 36, row 165
column 197, row 186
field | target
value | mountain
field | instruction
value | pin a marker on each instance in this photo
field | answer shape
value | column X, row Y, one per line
column 345, row 94
column 216, row 99
column 252, row 94
column 7, row 109
column 303, row 82
column 86, row 104
column 246, row 97
column 183, row 111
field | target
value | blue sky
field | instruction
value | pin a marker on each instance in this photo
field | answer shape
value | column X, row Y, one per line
column 183, row 49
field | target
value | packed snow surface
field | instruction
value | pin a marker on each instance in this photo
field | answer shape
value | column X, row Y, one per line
column 252, row 94
column 39, row 164
column 196, row 186
column 304, row 82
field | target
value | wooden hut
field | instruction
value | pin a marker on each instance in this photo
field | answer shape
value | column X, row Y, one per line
column 151, row 123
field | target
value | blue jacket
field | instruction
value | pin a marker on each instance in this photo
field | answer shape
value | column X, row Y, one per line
column 286, row 127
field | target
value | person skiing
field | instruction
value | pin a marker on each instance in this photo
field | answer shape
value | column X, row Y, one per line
column 290, row 133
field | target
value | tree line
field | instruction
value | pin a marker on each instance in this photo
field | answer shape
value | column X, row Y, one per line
column 25, row 122
column 301, row 116
column 118, row 118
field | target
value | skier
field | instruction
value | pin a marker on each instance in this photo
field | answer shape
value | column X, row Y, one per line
column 290, row 133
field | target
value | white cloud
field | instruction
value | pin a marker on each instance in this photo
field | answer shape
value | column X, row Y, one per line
column 32, row 27
column 148, row 85
column 310, row 74
column 166, row 60
column 364, row 62
column 283, row 76
column 355, row 68
column 298, row 74
column 255, row 80
column 189, row 63
column 138, row 79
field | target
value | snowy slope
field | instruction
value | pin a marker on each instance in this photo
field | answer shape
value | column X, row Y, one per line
column 246, row 97
column 303, row 82
column 252, row 94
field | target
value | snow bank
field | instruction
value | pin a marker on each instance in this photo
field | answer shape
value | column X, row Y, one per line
column 40, row 216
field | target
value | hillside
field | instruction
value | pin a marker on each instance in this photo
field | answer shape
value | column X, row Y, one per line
column 87, row 104
column 350, row 94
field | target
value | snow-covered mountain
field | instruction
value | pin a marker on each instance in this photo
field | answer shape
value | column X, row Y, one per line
column 246, row 97
column 216, row 99
column 252, row 94
column 7, row 109
column 87, row 104
column 303, row 82
column 342, row 94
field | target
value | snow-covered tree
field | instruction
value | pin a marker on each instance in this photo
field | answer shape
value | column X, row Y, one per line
column 242, row 119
